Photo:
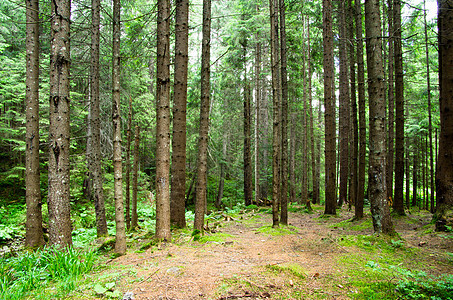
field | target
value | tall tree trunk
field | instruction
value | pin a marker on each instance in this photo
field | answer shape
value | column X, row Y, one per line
column 257, row 115
column 415, row 174
column 163, row 231
column 264, row 188
column 276, row 105
column 178, row 178
column 398, row 201
column 247, row 155
column 344, row 108
column 128, row 167
column 218, row 202
column 134, row 216
column 358, row 214
column 391, row 102
column 96, row 157
column 292, row 160
column 58, row 195
column 354, row 119
column 430, row 125
column 120, row 244
column 34, row 235
column 284, row 113
column 202, row 158
column 329, row 115
column 310, row 107
column 316, row 184
column 380, row 211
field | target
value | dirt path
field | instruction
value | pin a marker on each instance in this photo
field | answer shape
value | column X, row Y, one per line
column 241, row 264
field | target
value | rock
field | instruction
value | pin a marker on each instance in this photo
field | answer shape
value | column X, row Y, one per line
column 174, row 271
column 129, row 296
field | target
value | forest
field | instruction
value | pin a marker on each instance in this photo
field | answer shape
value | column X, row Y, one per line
column 226, row 149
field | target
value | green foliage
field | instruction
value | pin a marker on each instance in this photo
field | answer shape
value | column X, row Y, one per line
column 418, row 285
column 281, row 230
column 107, row 290
column 29, row 272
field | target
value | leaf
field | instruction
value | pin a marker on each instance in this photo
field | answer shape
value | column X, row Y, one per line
column 110, row 285
column 99, row 289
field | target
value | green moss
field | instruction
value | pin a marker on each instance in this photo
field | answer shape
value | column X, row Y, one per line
column 215, row 238
column 281, row 230
column 292, row 269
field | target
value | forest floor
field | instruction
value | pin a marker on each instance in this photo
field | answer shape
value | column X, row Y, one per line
column 315, row 257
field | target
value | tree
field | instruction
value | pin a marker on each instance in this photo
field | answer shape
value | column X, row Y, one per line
column 128, row 165
column 358, row 213
column 200, row 205
column 94, row 164
column 248, row 185
column 134, row 217
column 163, row 122
column 444, row 172
column 284, row 118
column 380, row 211
column 178, row 178
column 34, row 236
column 58, row 193
column 398, row 201
column 344, row 108
column 120, row 242
column 329, row 103
column 276, row 115
column 391, row 101
column 257, row 114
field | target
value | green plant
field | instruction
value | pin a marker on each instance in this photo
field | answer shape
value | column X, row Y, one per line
column 417, row 285
column 107, row 290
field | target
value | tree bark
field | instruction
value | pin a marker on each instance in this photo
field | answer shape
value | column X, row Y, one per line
column 202, row 158
column 120, row 244
column 380, row 211
column 257, row 115
column 398, row 201
column 163, row 231
column 344, row 108
column 329, row 115
column 218, row 203
column 34, row 234
column 391, row 101
column 134, row 216
column 276, row 119
column 58, row 193
column 292, row 160
column 95, row 121
column 248, row 185
column 284, row 116
column 128, row 167
column 430, row 125
column 178, row 178
column 310, row 111
column 415, row 174
column 358, row 213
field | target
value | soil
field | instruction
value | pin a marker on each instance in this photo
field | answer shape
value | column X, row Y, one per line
column 244, row 261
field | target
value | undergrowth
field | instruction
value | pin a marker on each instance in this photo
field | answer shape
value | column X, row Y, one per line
column 29, row 272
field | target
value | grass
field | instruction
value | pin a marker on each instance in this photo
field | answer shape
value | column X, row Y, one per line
column 279, row 231
column 295, row 270
column 30, row 272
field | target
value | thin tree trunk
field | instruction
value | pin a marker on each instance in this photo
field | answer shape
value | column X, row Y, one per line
column 120, row 244
column 134, row 216
column 163, row 231
column 218, row 203
column 58, row 192
column 358, row 214
column 391, row 102
column 96, row 157
column 178, row 178
column 276, row 119
column 264, row 189
column 310, row 107
column 414, row 174
column 248, row 185
column 292, row 160
column 284, row 116
column 257, row 114
column 128, row 166
column 380, row 211
column 408, row 191
column 202, row 158
column 329, row 115
column 430, row 125
column 34, row 236
column 344, row 108
column 398, row 201
column 354, row 120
